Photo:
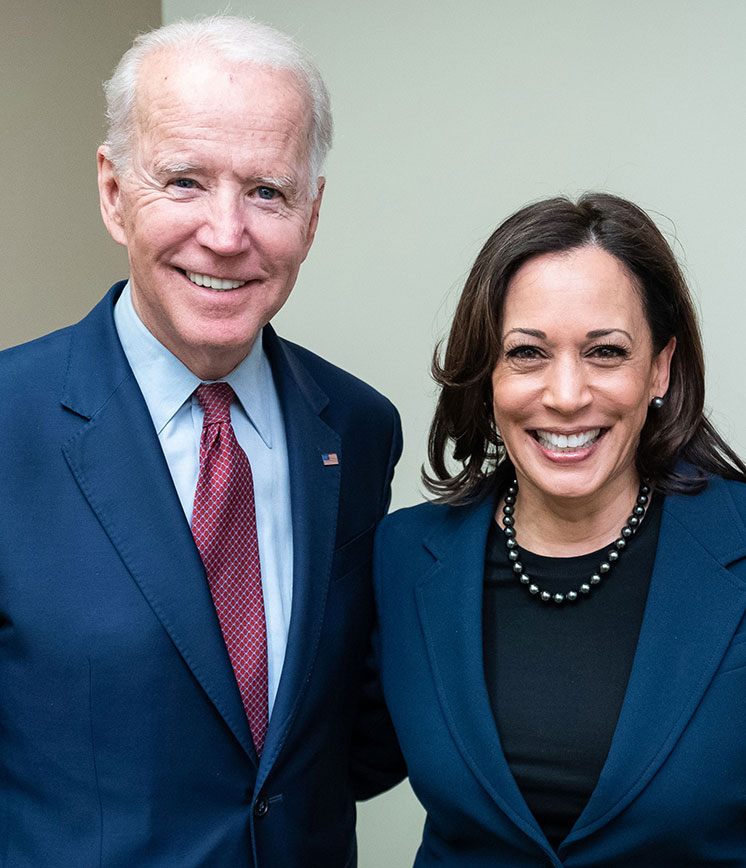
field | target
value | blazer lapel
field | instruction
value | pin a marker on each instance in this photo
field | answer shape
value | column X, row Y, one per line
column 694, row 606
column 449, row 602
column 120, row 468
column 315, row 499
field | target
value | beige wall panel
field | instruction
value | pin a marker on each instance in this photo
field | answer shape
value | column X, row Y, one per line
column 58, row 259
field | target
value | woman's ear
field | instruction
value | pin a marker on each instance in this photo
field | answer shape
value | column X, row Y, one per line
column 662, row 370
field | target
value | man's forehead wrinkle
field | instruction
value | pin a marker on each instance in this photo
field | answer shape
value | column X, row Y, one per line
column 272, row 159
column 258, row 149
column 170, row 123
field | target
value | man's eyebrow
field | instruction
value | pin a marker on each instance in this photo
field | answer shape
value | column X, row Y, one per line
column 174, row 168
column 282, row 182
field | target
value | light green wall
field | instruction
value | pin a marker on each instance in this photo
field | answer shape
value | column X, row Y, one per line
column 449, row 117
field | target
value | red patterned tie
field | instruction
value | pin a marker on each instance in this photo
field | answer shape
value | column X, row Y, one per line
column 224, row 528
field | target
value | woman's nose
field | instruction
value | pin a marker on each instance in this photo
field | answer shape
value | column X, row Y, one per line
column 566, row 387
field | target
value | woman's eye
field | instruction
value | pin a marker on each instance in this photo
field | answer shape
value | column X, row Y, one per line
column 609, row 351
column 523, row 352
column 266, row 192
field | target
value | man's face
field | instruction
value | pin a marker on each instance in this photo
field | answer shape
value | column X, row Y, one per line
column 214, row 207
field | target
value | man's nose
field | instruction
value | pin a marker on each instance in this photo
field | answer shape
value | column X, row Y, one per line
column 566, row 386
column 224, row 229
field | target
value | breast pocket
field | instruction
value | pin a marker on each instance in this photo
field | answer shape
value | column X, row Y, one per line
column 354, row 555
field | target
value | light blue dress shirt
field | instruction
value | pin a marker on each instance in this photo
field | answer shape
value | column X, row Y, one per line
column 167, row 386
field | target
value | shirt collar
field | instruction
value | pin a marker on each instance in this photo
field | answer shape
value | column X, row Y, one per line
column 254, row 387
column 166, row 383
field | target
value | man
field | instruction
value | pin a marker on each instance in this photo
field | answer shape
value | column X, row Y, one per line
column 185, row 599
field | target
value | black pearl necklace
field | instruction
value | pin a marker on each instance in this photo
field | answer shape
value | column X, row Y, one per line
column 612, row 556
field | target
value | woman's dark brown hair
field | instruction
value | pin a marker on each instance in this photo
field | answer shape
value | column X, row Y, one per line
column 678, row 448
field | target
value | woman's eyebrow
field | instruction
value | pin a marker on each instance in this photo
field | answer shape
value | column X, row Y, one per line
column 534, row 333
column 602, row 333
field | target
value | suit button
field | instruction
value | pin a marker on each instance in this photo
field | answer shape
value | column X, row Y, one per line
column 261, row 808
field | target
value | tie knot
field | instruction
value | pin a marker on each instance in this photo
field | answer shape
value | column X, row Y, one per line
column 216, row 400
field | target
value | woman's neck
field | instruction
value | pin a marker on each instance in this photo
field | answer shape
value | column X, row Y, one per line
column 567, row 527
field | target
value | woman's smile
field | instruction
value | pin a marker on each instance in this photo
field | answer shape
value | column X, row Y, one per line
column 575, row 376
column 567, row 443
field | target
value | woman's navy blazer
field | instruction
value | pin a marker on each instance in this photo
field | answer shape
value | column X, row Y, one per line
column 672, row 793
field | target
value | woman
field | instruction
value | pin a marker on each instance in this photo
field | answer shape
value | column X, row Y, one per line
column 562, row 634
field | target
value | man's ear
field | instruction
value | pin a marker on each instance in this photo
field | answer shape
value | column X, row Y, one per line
column 109, row 194
column 314, row 219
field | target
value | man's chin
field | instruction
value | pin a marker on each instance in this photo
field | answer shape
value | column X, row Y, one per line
column 214, row 359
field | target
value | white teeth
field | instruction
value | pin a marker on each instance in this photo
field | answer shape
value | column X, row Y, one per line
column 213, row 282
column 557, row 442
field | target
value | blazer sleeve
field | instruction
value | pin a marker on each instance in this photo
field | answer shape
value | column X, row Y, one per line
column 376, row 762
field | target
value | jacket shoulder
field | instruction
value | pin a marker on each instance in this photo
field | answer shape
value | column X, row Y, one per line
column 414, row 532
column 430, row 530
column 335, row 381
column 36, row 364
column 714, row 518
column 734, row 491
column 735, row 488
column 412, row 522
column 43, row 362
column 717, row 495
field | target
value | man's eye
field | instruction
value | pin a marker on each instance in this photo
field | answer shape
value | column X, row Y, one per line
column 266, row 192
column 184, row 183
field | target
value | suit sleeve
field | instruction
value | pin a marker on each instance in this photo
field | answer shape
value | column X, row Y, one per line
column 376, row 763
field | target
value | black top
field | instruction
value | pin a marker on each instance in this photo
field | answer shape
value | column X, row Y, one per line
column 557, row 674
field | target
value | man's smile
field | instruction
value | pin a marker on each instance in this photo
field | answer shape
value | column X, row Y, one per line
column 209, row 282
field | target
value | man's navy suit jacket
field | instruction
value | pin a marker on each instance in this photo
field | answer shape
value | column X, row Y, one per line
column 123, row 740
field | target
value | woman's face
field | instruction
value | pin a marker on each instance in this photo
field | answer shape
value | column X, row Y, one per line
column 575, row 375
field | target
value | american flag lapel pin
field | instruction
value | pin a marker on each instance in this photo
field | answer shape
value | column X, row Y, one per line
column 329, row 459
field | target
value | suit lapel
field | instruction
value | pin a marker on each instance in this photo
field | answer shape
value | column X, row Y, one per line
column 694, row 607
column 449, row 602
column 118, row 463
column 315, row 500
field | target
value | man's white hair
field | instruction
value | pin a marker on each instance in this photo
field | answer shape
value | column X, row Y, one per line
column 239, row 40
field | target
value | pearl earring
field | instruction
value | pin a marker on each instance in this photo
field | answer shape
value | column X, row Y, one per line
column 657, row 403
